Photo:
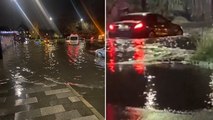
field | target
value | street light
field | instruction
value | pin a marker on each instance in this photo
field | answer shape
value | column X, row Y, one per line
column 51, row 18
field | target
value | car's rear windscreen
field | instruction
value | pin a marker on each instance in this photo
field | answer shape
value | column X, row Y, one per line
column 74, row 38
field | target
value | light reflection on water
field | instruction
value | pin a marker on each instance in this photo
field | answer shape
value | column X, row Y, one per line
column 211, row 94
column 18, row 88
column 73, row 54
column 50, row 62
column 42, row 63
column 166, row 87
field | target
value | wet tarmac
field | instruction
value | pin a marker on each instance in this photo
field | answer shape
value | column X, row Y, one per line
column 149, row 81
column 49, row 64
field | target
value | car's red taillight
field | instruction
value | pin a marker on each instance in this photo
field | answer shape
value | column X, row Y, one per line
column 111, row 27
column 139, row 26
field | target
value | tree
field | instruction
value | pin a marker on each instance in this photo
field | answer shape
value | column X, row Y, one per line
column 202, row 9
column 144, row 5
column 72, row 27
column 81, row 27
column 158, row 6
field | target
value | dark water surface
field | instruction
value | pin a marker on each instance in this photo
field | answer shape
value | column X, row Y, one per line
column 49, row 64
column 162, row 87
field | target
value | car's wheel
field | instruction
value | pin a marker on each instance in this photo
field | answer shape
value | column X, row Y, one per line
column 152, row 34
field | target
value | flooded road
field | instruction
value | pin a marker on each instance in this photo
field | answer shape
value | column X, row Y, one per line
column 154, row 82
column 50, row 64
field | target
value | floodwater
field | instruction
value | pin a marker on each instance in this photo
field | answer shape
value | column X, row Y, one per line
column 154, row 82
column 51, row 63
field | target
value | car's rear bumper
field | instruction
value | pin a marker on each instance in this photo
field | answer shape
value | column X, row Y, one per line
column 129, row 34
column 72, row 42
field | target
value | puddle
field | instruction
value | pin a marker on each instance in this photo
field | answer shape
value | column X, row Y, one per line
column 154, row 77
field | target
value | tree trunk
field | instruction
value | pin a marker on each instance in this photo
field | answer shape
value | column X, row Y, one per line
column 208, row 10
column 1, row 54
column 202, row 9
column 144, row 5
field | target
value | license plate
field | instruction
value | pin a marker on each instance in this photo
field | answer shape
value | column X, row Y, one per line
column 123, row 27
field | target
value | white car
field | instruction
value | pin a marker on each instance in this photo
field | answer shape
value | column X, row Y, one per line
column 100, row 61
column 100, row 52
column 73, row 39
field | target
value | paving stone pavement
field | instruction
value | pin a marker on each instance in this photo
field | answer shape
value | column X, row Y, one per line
column 36, row 102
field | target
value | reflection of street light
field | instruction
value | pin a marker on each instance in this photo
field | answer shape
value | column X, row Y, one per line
column 82, row 20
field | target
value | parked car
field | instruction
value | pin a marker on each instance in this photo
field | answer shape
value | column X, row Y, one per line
column 100, row 52
column 143, row 25
column 100, row 61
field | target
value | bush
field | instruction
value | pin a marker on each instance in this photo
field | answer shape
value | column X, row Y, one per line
column 204, row 50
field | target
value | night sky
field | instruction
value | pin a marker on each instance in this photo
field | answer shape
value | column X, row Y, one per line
column 61, row 11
